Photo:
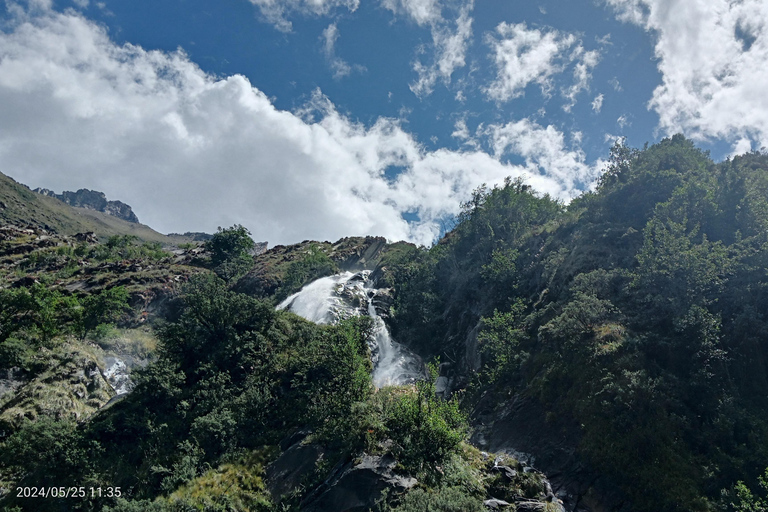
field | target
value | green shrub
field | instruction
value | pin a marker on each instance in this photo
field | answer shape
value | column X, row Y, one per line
column 14, row 352
column 741, row 498
column 229, row 250
column 426, row 429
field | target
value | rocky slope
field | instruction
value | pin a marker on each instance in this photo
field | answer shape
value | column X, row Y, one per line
column 93, row 200
column 21, row 207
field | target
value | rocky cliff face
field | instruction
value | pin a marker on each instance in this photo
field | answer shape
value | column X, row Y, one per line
column 93, row 200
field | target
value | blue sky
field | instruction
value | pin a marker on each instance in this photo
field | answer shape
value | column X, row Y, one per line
column 326, row 118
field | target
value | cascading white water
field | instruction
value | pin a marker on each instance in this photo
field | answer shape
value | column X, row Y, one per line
column 319, row 301
column 330, row 299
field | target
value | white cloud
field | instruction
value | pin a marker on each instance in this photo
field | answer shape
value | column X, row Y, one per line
column 712, row 57
column 450, row 39
column 597, row 103
column 450, row 47
column 460, row 130
column 545, row 152
column 277, row 11
column 423, row 12
column 582, row 74
column 524, row 56
column 190, row 151
column 340, row 67
column 741, row 146
column 623, row 121
column 81, row 3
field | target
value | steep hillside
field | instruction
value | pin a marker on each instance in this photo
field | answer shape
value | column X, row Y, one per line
column 20, row 206
column 621, row 339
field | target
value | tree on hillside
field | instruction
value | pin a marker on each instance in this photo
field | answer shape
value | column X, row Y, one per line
column 229, row 248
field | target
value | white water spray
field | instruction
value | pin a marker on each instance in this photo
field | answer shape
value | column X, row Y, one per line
column 330, row 299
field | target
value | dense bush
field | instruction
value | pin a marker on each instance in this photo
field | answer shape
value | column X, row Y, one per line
column 230, row 251
column 33, row 317
column 426, row 429
column 232, row 374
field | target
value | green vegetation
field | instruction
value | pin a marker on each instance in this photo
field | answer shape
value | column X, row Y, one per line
column 742, row 499
column 426, row 429
column 635, row 318
column 232, row 376
column 636, row 313
column 229, row 248
column 123, row 247
column 32, row 317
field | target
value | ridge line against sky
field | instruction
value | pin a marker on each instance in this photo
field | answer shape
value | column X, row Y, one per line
column 327, row 118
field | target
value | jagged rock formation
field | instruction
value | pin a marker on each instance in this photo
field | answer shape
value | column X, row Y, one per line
column 93, row 200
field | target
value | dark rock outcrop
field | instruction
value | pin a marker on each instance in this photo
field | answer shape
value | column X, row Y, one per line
column 93, row 200
column 293, row 468
column 494, row 504
column 350, row 486
column 358, row 485
column 195, row 236
column 521, row 427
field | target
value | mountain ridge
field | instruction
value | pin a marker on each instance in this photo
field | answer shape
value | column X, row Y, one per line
column 93, row 200
column 21, row 206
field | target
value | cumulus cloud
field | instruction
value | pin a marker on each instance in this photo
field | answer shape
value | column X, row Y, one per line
column 582, row 74
column 546, row 153
column 712, row 59
column 190, row 151
column 741, row 146
column 277, row 11
column 524, row 56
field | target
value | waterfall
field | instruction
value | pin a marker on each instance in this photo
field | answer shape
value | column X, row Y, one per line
column 330, row 299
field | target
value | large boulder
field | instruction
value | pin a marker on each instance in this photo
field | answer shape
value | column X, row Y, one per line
column 294, row 468
column 356, row 486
